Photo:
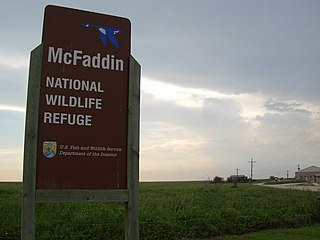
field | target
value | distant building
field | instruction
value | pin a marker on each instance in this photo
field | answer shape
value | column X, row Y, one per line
column 238, row 178
column 310, row 174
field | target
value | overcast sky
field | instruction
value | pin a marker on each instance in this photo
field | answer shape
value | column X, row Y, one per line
column 222, row 82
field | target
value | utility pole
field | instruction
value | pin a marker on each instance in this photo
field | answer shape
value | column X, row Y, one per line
column 287, row 174
column 237, row 179
column 251, row 172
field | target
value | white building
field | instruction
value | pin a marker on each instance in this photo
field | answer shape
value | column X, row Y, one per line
column 310, row 174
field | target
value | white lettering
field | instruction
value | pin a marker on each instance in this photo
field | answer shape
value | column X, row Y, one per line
column 74, row 84
column 76, row 57
column 49, row 82
column 67, row 58
column 51, row 99
column 96, row 61
column 67, row 118
column 47, row 117
column 72, row 101
column 119, row 64
column 55, row 56
column 86, row 62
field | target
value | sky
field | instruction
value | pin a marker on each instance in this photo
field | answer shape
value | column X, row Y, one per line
column 223, row 82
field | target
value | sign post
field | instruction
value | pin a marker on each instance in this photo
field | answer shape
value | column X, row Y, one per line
column 83, row 109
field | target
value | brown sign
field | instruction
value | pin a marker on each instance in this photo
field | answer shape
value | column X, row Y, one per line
column 82, row 137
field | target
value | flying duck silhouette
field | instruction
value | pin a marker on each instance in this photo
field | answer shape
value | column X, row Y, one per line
column 106, row 33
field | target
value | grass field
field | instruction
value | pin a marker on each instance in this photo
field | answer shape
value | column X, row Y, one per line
column 181, row 210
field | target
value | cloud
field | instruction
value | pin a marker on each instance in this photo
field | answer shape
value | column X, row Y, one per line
column 263, row 47
column 13, row 79
column 251, row 104
column 178, row 134
column 224, row 130
column 281, row 105
column 284, row 139
column 12, row 61
column 12, row 108
column 223, row 81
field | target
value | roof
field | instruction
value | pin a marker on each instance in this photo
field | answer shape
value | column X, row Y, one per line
column 310, row 169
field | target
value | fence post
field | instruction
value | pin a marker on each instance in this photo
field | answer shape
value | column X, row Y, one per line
column 318, row 209
column 30, row 147
column 132, row 206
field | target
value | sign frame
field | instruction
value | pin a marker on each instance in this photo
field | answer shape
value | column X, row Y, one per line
column 83, row 100
column 31, row 195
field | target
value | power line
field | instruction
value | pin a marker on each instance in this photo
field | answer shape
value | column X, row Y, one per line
column 294, row 151
column 295, row 138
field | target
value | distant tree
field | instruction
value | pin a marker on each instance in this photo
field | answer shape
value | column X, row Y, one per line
column 272, row 178
column 217, row 179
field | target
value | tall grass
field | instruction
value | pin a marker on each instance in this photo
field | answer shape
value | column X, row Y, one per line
column 198, row 210
column 167, row 211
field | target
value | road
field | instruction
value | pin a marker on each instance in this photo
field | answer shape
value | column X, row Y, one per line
column 293, row 186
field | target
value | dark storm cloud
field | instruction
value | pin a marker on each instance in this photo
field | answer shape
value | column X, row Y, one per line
column 270, row 46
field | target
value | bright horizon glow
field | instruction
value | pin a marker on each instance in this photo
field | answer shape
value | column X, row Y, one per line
column 13, row 61
column 12, row 108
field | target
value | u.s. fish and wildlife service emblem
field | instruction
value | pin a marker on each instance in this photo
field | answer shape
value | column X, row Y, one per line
column 49, row 149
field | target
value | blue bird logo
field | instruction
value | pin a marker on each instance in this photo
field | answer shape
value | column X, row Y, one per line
column 106, row 34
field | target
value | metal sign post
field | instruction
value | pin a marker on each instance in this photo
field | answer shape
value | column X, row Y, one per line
column 82, row 120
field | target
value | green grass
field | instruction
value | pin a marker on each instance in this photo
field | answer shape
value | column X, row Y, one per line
column 181, row 210
column 196, row 210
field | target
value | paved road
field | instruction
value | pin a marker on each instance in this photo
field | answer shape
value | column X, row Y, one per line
column 294, row 186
